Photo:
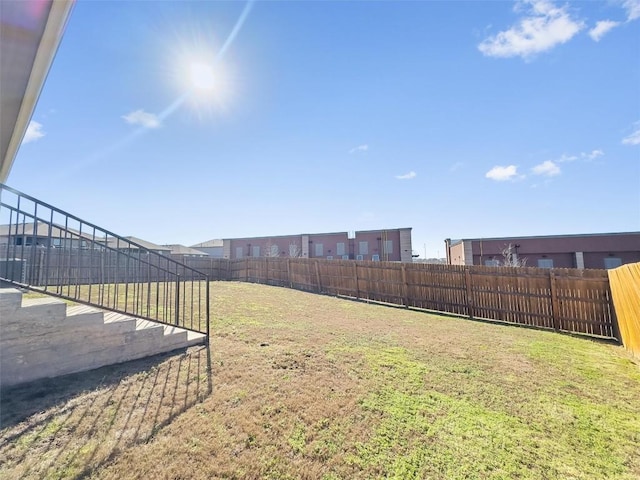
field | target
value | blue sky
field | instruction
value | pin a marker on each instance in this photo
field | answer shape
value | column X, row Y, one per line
column 180, row 122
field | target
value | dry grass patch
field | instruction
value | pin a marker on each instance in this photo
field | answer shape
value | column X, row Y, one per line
column 314, row 387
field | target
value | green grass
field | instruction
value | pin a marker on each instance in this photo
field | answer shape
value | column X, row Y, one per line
column 425, row 430
column 314, row 387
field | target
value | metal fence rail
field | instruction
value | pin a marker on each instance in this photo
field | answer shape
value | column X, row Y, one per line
column 46, row 249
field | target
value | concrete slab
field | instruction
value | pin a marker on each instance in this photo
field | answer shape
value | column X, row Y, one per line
column 43, row 337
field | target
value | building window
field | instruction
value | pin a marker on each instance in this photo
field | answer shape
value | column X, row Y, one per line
column 363, row 248
column 387, row 246
column 359, row 257
column 492, row 263
column 345, row 257
column 57, row 242
column 239, row 252
column 329, row 257
column 255, row 251
column 319, row 250
column 612, row 262
column 545, row 263
column 375, row 258
column 340, row 248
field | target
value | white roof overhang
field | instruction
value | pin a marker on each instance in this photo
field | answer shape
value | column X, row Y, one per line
column 30, row 32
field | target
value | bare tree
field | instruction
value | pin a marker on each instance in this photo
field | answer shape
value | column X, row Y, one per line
column 511, row 258
column 294, row 250
column 271, row 250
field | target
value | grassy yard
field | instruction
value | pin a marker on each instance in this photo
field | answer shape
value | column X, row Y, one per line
column 314, row 387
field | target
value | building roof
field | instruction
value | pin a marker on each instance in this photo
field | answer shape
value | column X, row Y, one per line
column 384, row 230
column 209, row 244
column 177, row 249
column 219, row 243
column 41, row 230
column 113, row 243
column 536, row 237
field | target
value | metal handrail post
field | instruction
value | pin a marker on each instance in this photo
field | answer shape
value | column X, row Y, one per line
column 178, row 300
column 207, row 308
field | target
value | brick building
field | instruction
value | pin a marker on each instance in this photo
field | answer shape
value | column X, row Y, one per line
column 598, row 250
column 392, row 245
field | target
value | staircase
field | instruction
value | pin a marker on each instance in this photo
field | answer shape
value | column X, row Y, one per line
column 133, row 301
column 43, row 337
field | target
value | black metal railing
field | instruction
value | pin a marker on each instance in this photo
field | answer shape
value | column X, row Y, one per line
column 46, row 249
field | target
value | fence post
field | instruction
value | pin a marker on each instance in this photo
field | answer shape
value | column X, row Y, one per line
column 405, row 285
column 289, row 273
column 615, row 326
column 318, row 276
column 467, row 280
column 178, row 300
column 555, row 307
column 355, row 275
column 207, row 306
column 41, row 266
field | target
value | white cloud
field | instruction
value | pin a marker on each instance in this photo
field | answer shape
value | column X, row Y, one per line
column 33, row 133
column 502, row 174
column 633, row 9
column 407, row 176
column 545, row 27
column 140, row 117
column 634, row 137
column 593, row 155
column 584, row 156
column 567, row 158
column 547, row 168
column 601, row 29
column 359, row 148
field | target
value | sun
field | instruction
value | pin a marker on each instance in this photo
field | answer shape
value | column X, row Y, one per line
column 204, row 83
column 202, row 77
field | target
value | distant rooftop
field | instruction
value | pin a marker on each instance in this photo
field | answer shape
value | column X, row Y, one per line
column 114, row 243
column 534, row 237
column 177, row 249
column 41, row 230
column 209, row 244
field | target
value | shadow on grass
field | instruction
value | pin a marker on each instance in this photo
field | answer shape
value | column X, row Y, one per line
column 69, row 426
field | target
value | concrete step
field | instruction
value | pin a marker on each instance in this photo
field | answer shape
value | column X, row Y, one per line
column 36, row 345
column 36, row 311
column 195, row 338
column 42, row 337
column 21, row 324
column 120, row 321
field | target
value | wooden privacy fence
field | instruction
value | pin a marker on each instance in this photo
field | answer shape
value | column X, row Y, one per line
column 567, row 300
column 625, row 288
column 570, row 300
